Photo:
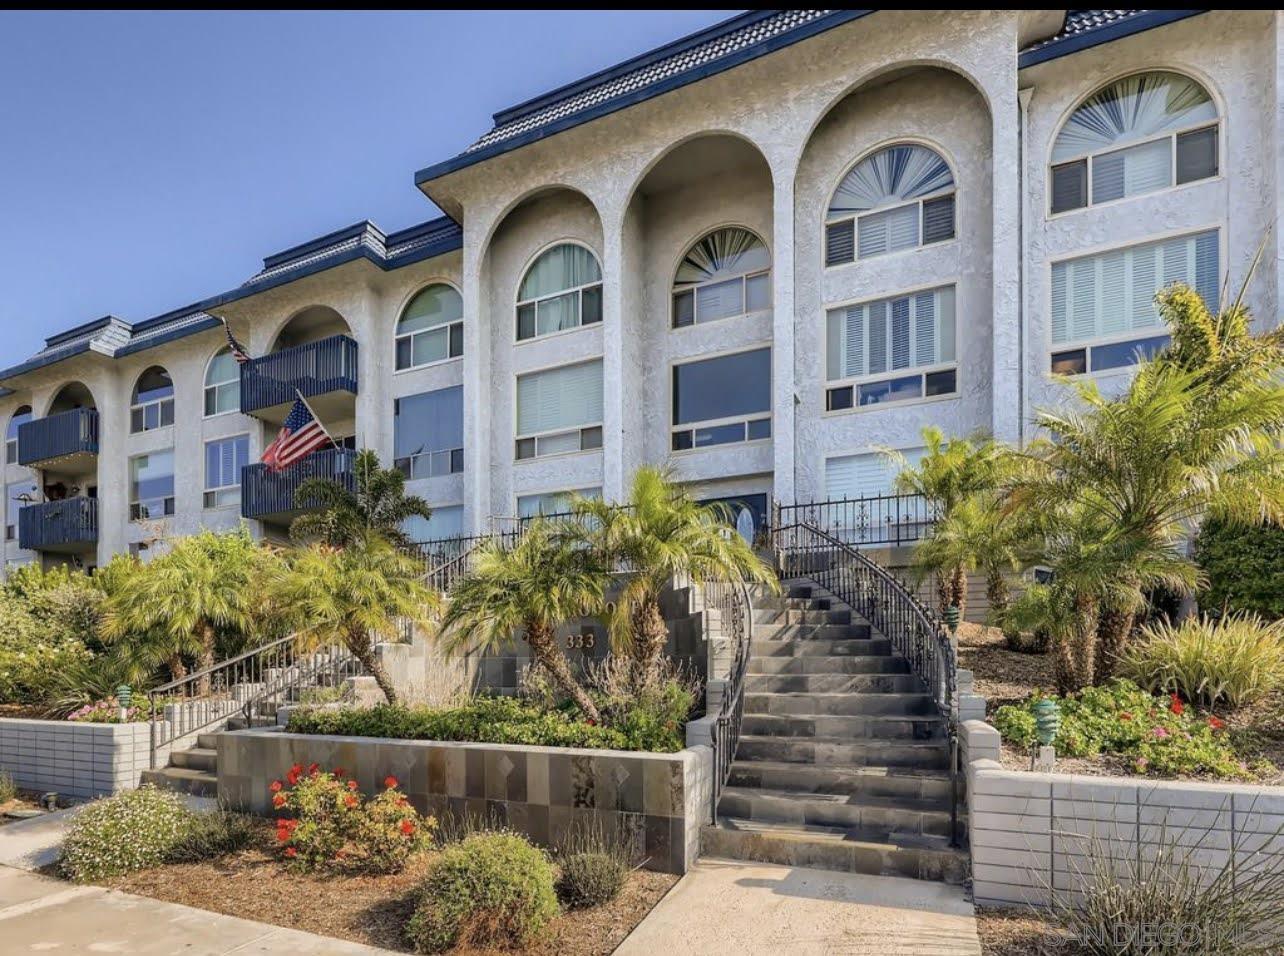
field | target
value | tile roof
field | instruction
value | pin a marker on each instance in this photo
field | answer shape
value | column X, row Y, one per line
column 1088, row 28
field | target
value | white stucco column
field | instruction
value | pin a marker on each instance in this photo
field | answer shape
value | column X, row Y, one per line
column 113, row 395
column 782, row 350
column 616, row 423
column 477, row 382
column 1006, row 188
column 372, row 328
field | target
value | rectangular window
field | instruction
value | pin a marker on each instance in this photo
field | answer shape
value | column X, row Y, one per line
column 428, row 433
column 1197, row 154
column 887, row 231
column 1070, row 186
column 1133, row 171
column 722, row 400
column 938, row 219
column 11, row 451
column 870, row 341
column 224, row 459
column 1108, row 298
column 552, row 502
column 447, row 521
column 868, row 475
column 430, row 345
column 722, row 300
column 863, row 504
column 151, row 485
column 559, row 410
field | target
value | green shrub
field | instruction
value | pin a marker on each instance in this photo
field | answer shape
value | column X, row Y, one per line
column 492, row 889
column 1234, row 660
column 1159, row 735
column 8, row 789
column 29, row 656
column 133, row 830
column 594, row 862
column 1028, row 622
column 213, row 834
column 1244, row 568
column 327, row 823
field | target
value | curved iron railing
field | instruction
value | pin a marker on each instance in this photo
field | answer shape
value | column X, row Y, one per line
column 891, row 606
column 735, row 612
column 239, row 686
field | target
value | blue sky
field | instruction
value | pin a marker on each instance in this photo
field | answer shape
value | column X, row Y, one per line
column 148, row 160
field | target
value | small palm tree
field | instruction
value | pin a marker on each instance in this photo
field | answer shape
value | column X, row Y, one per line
column 539, row 583
column 355, row 596
column 175, row 607
column 378, row 506
column 949, row 473
column 662, row 533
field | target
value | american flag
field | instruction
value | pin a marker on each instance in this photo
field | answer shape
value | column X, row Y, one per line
column 301, row 435
column 238, row 352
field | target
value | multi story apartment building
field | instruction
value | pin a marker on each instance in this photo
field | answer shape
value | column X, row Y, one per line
column 759, row 253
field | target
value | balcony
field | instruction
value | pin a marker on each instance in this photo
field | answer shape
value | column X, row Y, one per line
column 67, row 439
column 67, row 525
column 269, row 496
column 325, row 372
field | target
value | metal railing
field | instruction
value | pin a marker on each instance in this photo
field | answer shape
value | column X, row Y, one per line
column 735, row 612
column 314, row 368
column 66, row 433
column 54, row 525
column 879, row 519
column 887, row 603
column 267, row 492
column 240, row 686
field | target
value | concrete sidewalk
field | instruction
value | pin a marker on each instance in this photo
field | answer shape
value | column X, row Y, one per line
column 726, row 906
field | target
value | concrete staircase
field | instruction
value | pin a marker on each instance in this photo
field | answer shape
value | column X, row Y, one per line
column 843, row 760
column 195, row 769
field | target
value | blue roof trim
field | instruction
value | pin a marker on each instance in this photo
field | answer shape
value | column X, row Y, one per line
column 182, row 332
column 464, row 160
column 1074, row 43
column 41, row 361
column 92, row 326
column 315, row 245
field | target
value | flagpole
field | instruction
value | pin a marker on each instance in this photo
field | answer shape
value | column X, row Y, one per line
column 316, row 418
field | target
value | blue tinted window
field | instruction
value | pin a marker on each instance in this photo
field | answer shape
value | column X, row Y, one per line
column 428, row 422
column 1122, row 354
column 722, row 387
column 892, row 390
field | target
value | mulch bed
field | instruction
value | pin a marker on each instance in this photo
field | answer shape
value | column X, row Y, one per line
column 23, row 801
column 253, row 884
column 1020, row 932
column 1002, row 676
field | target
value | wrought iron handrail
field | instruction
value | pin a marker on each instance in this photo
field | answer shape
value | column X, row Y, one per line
column 239, row 686
column 735, row 608
column 874, row 519
column 872, row 591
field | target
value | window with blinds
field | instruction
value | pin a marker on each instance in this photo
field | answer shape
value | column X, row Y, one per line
column 559, row 410
column 1104, row 305
column 867, row 475
column 871, row 342
column 552, row 502
column 428, row 433
column 862, row 504
column 224, row 459
column 900, row 197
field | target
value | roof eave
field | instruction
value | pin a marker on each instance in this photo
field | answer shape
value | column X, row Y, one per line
column 1107, row 34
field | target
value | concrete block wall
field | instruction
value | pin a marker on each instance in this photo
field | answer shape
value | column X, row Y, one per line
column 1035, row 836
column 538, row 791
column 78, row 760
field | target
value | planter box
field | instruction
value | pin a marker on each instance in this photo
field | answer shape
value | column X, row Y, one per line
column 79, row 760
column 1030, row 832
column 537, row 791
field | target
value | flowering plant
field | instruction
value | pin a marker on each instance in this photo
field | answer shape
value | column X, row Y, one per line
column 107, row 711
column 326, row 822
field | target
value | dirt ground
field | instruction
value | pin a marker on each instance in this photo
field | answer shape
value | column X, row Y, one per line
column 1017, row 932
column 369, row 909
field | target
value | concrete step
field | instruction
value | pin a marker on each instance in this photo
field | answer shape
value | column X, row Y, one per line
column 834, row 848
column 882, row 818
column 240, row 723
column 207, row 741
column 869, row 682
column 199, row 783
column 788, row 616
column 897, row 783
column 796, row 632
column 785, row 665
column 847, row 727
column 790, row 603
column 850, row 703
column 872, row 646
column 844, row 752
column 797, row 590
column 198, row 758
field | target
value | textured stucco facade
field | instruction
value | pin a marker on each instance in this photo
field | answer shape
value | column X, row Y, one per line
column 760, row 146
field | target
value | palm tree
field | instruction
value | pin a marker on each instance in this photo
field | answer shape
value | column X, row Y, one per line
column 659, row 534
column 949, row 473
column 379, row 505
column 174, row 607
column 542, row 581
column 355, row 596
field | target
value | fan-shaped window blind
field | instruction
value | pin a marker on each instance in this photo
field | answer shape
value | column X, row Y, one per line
column 725, row 274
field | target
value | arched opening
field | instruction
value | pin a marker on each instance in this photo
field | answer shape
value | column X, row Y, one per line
column 19, row 418
column 725, row 273
column 222, row 383
column 152, row 404
column 431, row 328
column 313, row 324
column 561, row 290
column 71, row 396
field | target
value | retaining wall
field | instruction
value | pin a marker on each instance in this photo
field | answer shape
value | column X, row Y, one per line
column 80, row 760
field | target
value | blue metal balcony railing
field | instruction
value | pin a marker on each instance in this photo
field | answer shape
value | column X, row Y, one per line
column 264, row 492
column 66, row 433
column 58, row 525
column 328, row 365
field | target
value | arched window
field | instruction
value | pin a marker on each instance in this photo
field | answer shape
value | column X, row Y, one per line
column 20, row 417
column 725, row 274
column 899, row 197
column 561, row 290
column 1139, row 134
column 431, row 329
column 222, row 384
column 152, row 405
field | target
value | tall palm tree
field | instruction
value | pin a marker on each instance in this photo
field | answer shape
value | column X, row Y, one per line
column 355, row 596
column 542, row 581
column 659, row 534
column 950, row 472
column 379, row 505
column 173, row 608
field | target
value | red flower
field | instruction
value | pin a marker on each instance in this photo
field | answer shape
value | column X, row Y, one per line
column 338, row 772
column 591, row 722
column 1176, row 706
column 407, row 827
column 291, row 852
column 1125, row 716
column 295, row 772
column 390, row 781
column 402, row 802
column 352, row 785
column 279, row 801
column 282, row 835
column 1216, row 723
column 275, row 786
column 313, row 768
column 350, row 801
